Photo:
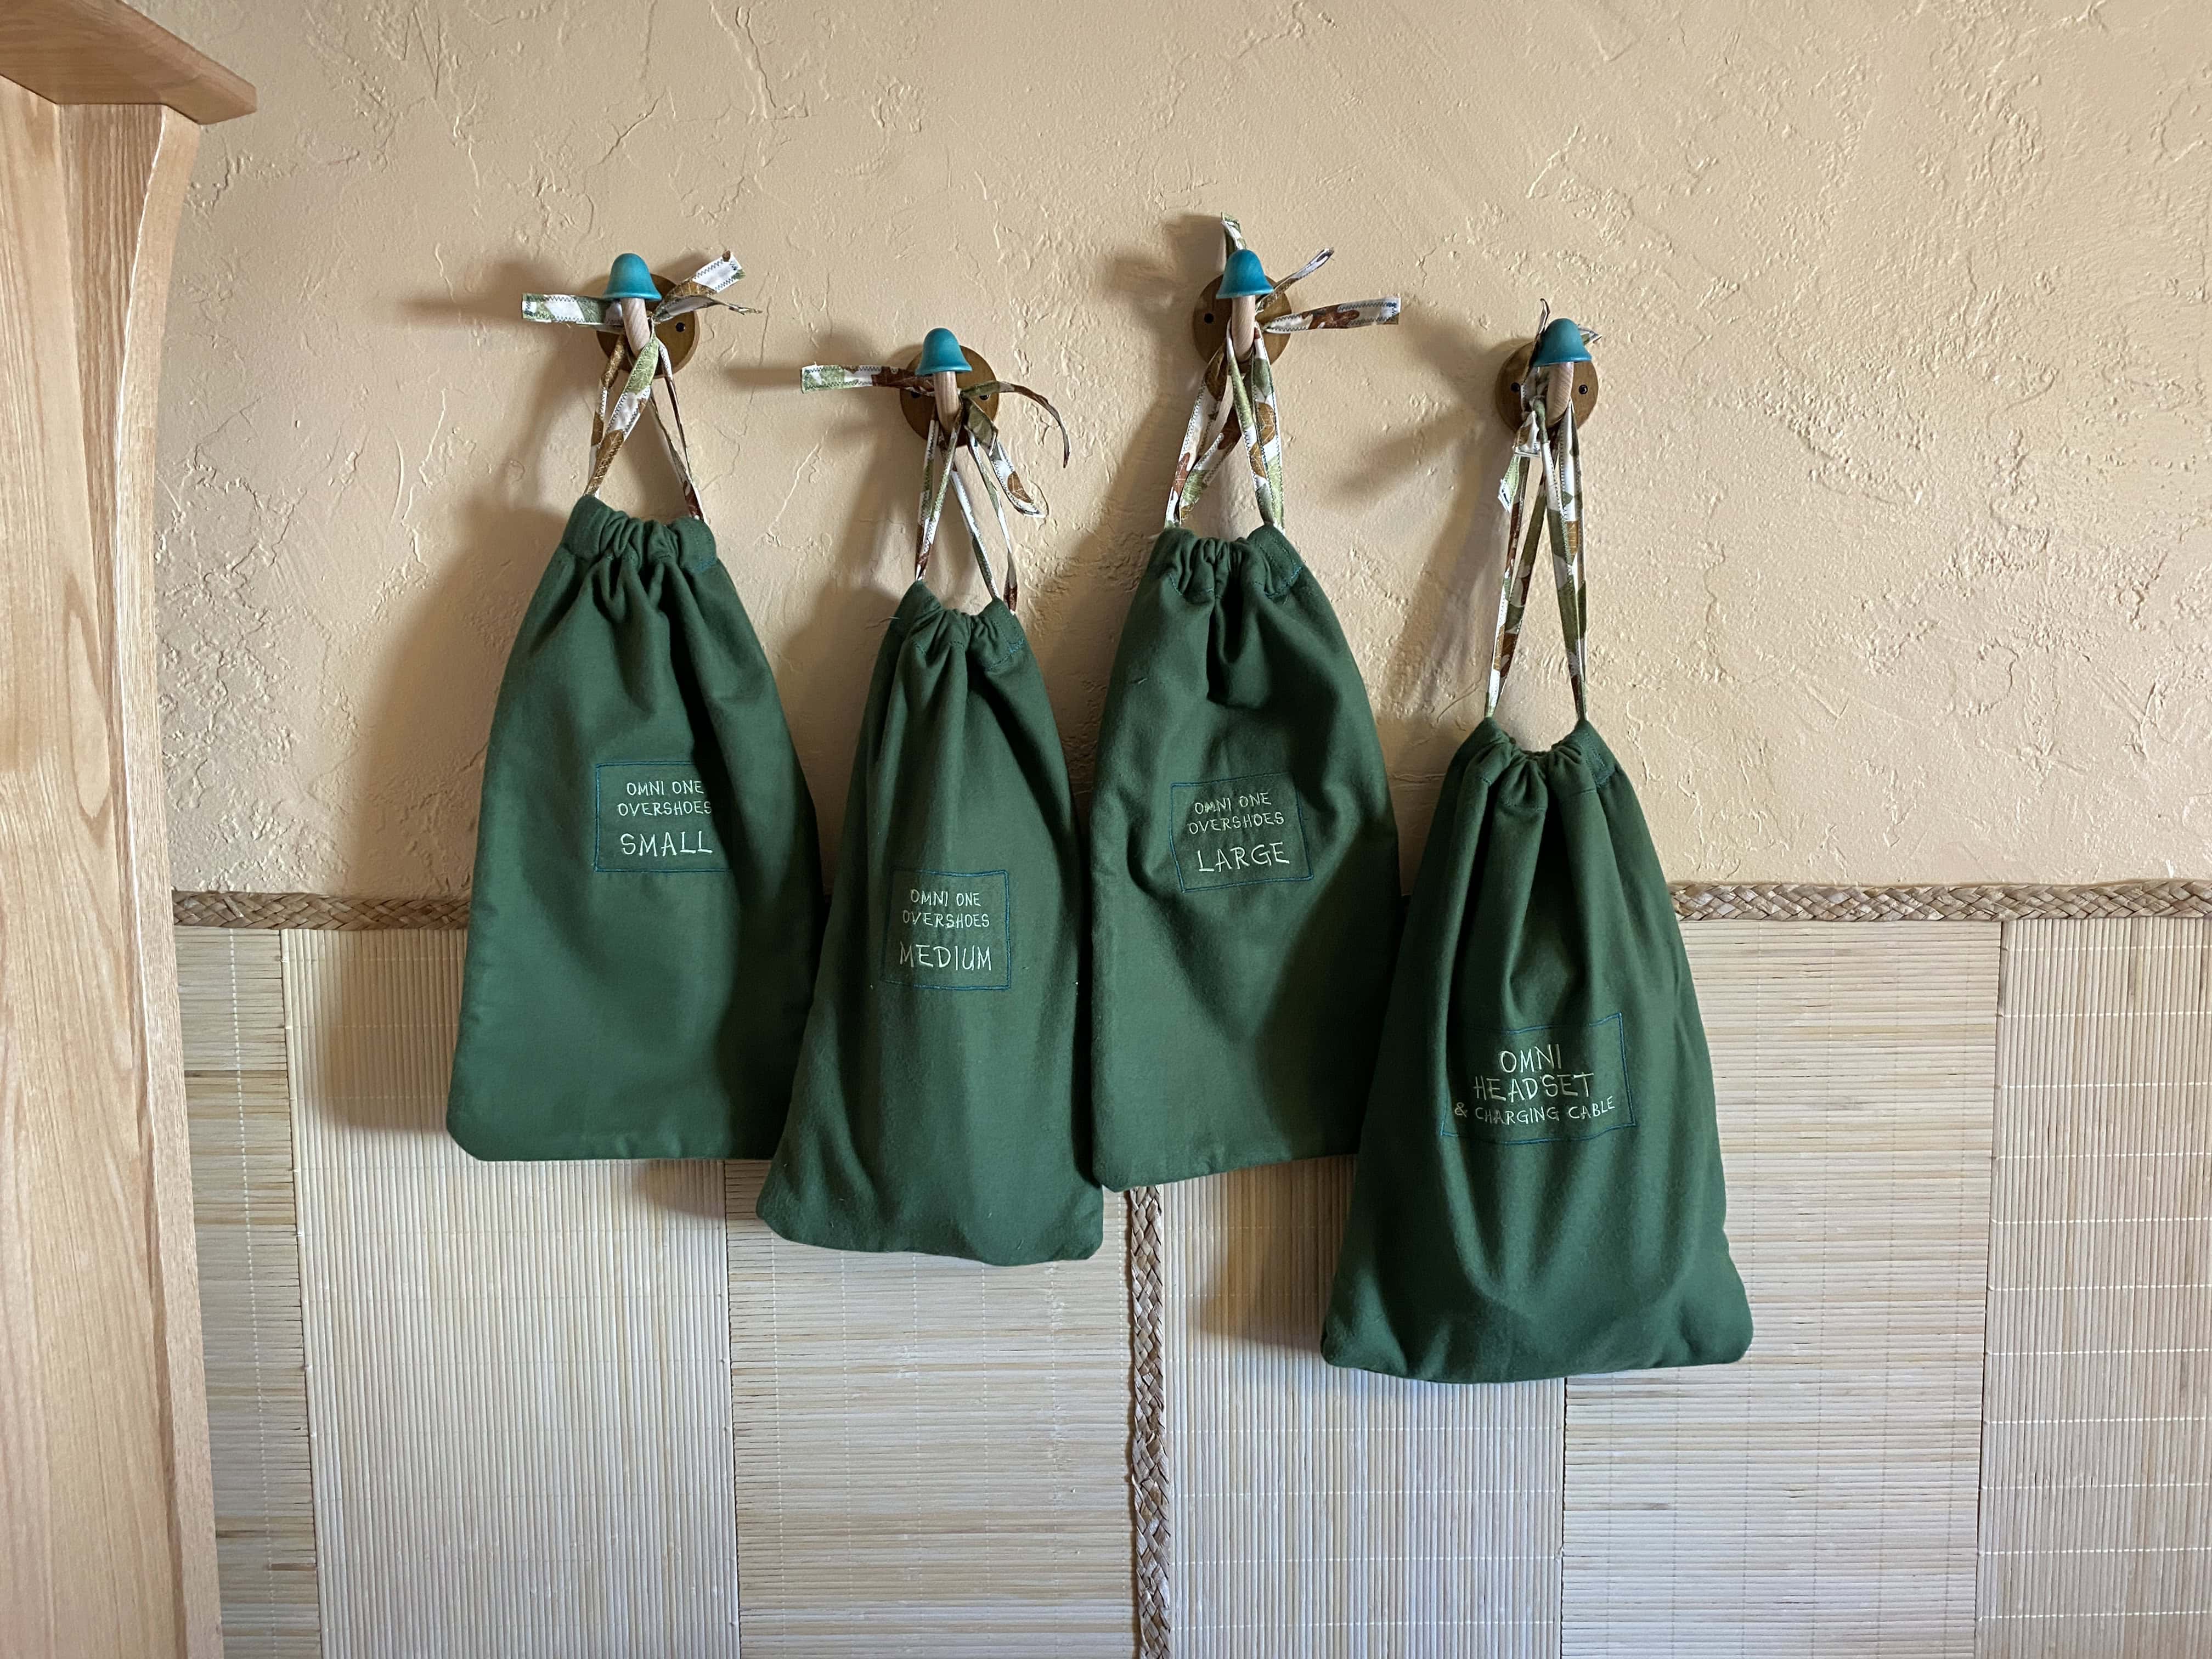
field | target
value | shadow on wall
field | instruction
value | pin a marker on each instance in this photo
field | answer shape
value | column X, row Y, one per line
column 451, row 643
column 823, row 670
column 1072, row 607
column 1440, row 667
column 450, row 649
column 1081, row 608
column 455, row 638
column 1277, row 1298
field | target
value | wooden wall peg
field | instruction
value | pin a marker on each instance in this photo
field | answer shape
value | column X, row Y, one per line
column 1209, row 321
column 1584, row 379
column 920, row 412
column 679, row 336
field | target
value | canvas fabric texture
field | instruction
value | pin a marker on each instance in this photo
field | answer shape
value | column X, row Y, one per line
column 1539, row 1191
column 940, row 1104
column 1244, row 868
column 648, row 897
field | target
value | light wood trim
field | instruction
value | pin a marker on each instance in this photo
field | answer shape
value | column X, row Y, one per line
column 106, row 1534
column 100, row 51
column 128, row 167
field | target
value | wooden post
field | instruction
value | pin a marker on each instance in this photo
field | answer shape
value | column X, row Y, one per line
column 945, row 386
column 1244, row 325
column 106, row 1515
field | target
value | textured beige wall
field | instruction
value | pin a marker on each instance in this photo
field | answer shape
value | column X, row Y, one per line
column 1902, row 503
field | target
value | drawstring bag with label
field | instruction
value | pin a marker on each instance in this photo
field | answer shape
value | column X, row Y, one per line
column 1539, row 1192
column 647, row 897
column 1244, row 850
column 938, row 1102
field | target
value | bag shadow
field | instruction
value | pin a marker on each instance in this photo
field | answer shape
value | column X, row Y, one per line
column 419, row 763
column 822, row 666
column 1268, row 1282
column 1430, row 692
column 1079, row 607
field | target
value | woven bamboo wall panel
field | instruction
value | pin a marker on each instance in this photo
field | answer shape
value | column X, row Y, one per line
column 2097, row 1455
column 1323, row 1512
column 930, row 1454
column 231, row 986
column 516, row 1372
column 1819, row 1496
column 510, row 1367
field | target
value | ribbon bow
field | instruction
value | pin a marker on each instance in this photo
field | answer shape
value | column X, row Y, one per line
column 1239, row 399
column 618, row 412
column 972, row 430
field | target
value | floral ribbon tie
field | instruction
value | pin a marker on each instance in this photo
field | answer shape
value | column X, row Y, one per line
column 618, row 412
column 1547, row 455
column 1239, row 399
column 973, row 431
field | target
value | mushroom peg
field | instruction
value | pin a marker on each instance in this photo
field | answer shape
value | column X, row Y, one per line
column 1561, row 346
column 944, row 361
column 630, row 289
column 1243, row 284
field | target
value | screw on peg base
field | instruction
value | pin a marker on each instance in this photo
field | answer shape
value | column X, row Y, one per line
column 1209, row 321
column 921, row 413
column 1562, row 353
column 679, row 336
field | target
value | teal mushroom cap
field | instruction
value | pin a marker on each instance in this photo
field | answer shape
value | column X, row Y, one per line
column 1242, row 279
column 941, row 354
column 630, row 280
column 1561, row 343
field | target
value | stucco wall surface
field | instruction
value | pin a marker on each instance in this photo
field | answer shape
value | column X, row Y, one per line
column 1901, row 506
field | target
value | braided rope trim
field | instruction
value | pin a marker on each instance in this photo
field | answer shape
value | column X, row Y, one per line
column 1694, row 901
column 1148, row 1451
column 1992, row 902
column 318, row 910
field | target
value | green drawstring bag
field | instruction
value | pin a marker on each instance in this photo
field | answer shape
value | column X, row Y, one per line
column 648, row 898
column 938, row 1101
column 1539, row 1191
column 1243, row 851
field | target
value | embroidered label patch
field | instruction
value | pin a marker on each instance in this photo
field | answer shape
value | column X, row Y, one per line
column 951, row 930
column 1542, row 1082
column 653, row 816
column 1230, row 832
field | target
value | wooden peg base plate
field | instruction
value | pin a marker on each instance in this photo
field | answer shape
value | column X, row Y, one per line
column 1516, row 370
column 1209, row 321
column 921, row 411
column 678, row 335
